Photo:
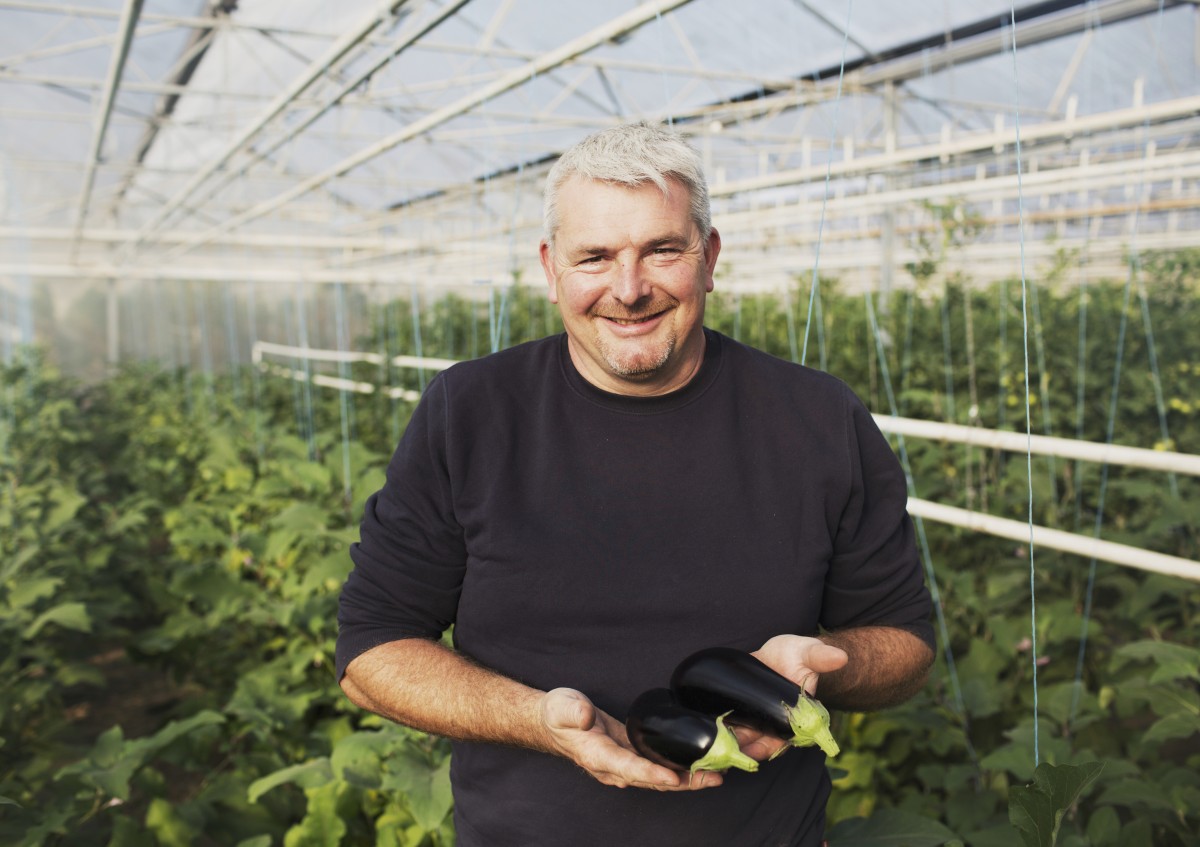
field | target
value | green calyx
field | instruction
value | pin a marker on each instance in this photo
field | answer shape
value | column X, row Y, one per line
column 725, row 753
column 810, row 725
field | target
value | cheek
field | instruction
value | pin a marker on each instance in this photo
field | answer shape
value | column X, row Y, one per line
column 578, row 296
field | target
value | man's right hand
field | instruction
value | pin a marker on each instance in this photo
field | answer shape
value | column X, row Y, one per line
column 597, row 742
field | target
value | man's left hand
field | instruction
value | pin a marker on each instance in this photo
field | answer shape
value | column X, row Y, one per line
column 802, row 660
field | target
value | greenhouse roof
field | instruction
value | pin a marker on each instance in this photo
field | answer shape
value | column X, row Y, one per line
column 263, row 141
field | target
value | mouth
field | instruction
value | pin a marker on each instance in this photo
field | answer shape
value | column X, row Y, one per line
column 635, row 320
column 631, row 321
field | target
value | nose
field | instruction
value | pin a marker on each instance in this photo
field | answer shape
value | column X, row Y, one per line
column 631, row 283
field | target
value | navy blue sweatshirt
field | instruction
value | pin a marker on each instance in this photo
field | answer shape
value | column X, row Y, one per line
column 584, row 539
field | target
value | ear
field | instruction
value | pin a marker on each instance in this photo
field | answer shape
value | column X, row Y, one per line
column 546, row 254
column 711, row 252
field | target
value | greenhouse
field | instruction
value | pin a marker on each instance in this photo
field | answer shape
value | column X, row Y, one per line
column 242, row 238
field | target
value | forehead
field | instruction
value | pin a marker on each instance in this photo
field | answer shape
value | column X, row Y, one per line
column 591, row 208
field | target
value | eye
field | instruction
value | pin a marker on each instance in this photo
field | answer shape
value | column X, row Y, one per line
column 591, row 260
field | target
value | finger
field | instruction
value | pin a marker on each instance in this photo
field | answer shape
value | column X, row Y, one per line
column 627, row 768
column 764, row 748
column 567, row 709
column 685, row 782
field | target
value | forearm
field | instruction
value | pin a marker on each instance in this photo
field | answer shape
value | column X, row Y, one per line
column 427, row 686
column 886, row 667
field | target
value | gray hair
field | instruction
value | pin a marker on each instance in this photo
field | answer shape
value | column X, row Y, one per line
column 631, row 155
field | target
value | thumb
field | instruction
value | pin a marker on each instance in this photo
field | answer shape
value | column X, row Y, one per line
column 565, row 708
column 824, row 658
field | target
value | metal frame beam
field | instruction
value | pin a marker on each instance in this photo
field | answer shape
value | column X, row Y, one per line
column 129, row 18
column 614, row 28
column 319, row 67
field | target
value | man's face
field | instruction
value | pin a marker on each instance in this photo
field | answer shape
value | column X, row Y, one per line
column 629, row 273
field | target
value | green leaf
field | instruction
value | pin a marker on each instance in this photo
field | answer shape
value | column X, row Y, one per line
column 996, row 836
column 18, row 561
column 1065, row 783
column 171, row 830
column 1164, row 654
column 321, row 826
column 311, row 774
column 113, row 760
column 1037, row 810
column 1178, row 725
column 67, row 502
column 1103, row 826
column 425, row 786
column 127, row 832
column 67, row 615
column 8, row 801
column 29, row 591
column 1031, row 811
column 355, row 759
column 1138, row 794
column 890, row 828
column 255, row 841
column 177, row 729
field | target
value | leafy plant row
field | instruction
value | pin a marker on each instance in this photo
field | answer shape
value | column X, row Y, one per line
column 172, row 545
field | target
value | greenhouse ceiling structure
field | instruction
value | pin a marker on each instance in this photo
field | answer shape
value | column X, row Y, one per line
column 271, row 144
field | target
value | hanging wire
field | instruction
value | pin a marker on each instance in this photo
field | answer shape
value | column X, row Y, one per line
column 1155, row 377
column 906, row 356
column 1134, row 272
column 344, row 408
column 200, row 293
column 1081, row 359
column 414, row 308
column 231, row 341
column 255, row 372
column 309, row 426
column 918, row 522
column 1081, row 369
column 833, row 133
column 822, row 357
column 1028, row 422
column 1044, row 389
column 791, row 325
column 182, row 323
column 662, row 44
column 948, row 356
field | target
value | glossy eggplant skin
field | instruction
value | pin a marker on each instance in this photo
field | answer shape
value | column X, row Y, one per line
column 721, row 680
column 668, row 733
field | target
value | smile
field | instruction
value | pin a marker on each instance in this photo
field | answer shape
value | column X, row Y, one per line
column 634, row 321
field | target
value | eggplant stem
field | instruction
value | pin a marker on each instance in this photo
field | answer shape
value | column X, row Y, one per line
column 724, row 753
column 809, row 720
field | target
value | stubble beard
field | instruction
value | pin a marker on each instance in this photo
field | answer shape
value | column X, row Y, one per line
column 637, row 363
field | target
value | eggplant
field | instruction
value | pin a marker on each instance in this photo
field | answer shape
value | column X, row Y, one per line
column 667, row 733
column 725, row 681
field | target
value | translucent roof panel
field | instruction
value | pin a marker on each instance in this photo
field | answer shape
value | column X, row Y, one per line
column 367, row 142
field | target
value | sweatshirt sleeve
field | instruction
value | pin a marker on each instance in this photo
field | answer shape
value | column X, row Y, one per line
column 875, row 575
column 410, row 559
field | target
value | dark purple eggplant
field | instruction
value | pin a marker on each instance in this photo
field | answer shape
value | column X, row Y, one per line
column 725, row 681
column 670, row 734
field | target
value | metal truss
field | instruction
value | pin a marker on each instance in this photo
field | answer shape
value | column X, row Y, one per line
column 408, row 142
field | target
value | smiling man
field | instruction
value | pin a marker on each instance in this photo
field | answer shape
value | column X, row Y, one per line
column 588, row 509
column 629, row 270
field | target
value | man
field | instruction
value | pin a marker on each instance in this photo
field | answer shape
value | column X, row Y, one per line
column 589, row 509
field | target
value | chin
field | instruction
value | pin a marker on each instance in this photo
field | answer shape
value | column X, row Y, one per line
column 639, row 364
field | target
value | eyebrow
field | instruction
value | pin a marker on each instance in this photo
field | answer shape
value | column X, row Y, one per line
column 673, row 240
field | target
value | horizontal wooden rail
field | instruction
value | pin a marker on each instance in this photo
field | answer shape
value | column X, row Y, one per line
column 1055, row 539
column 1043, row 445
column 1051, row 539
